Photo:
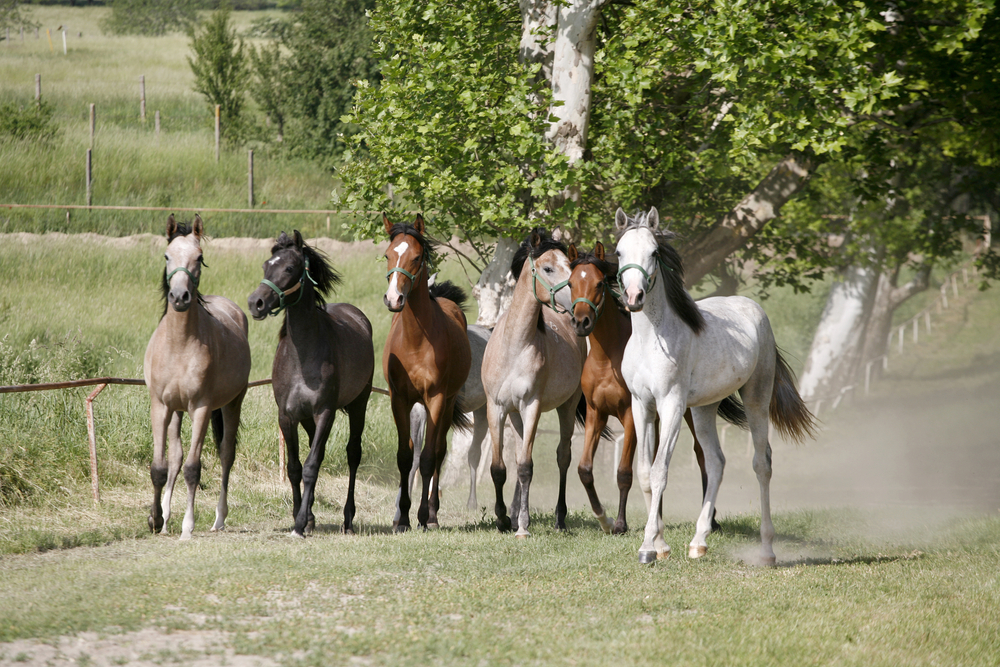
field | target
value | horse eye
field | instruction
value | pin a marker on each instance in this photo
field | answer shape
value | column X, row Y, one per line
column 201, row 259
column 166, row 258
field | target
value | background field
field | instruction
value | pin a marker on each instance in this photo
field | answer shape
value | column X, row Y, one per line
column 888, row 523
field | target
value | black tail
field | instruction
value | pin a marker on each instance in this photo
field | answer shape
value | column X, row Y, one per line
column 217, row 429
column 459, row 420
column 731, row 409
column 789, row 413
column 449, row 290
column 581, row 418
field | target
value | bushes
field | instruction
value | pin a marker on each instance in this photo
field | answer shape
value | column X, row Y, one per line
column 151, row 18
column 221, row 70
column 33, row 122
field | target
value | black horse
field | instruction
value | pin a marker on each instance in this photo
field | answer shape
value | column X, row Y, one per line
column 324, row 363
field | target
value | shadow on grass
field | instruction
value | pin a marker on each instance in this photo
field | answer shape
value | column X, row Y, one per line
column 878, row 559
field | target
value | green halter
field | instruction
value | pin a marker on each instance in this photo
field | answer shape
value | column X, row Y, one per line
column 598, row 309
column 411, row 276
column 650, row 281
column 194, row 278
column 552, row 289
column 282, row 294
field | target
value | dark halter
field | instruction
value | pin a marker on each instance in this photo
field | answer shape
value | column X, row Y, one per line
column 292, row 290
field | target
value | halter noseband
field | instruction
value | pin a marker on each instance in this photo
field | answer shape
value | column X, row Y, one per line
column 650, row 281
column 194, row 278
column 552, row 289
column 291, row 290
column 598, row 309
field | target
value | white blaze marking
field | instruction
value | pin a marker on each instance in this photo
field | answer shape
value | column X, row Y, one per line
column 401, row 248
column 272, row 261
column 583, row 274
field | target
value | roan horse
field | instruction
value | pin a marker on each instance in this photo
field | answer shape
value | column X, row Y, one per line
column 532, row 365
column 593, row 285
column 683, row 354
column 324, row 363
column 197, row 361
column 426, row 360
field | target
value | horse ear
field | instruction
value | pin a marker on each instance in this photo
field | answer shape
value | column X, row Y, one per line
column 653, row 218
column 298, row 239
column 386, row 223
column 572, row 253
column 535, row 239
column 599, row 251
column 197, row 227
column 418, row 224
column 171, row 226
column 621, row 220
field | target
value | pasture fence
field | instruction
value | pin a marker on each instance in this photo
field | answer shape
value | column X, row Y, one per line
column 101, row 384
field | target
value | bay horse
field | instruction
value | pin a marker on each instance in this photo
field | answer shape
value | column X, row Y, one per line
column 473, row 401
column 324, row 362
column 426, row 361
column 682, row 354
column 596, row 314
column 532, row 365
column 197, row 361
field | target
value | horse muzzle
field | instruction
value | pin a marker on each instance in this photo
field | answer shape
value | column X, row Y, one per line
column 258, row 305
column 394, row 304
column 584, row 326
column 180, row 300
column 634, row 301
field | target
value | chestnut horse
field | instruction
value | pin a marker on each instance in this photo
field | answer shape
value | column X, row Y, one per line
column 597, row 314
column 532, row 365
column 324, row 363
column 197, row 361
column 426, row 360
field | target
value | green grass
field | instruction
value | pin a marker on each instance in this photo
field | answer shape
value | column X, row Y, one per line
column 132, row 166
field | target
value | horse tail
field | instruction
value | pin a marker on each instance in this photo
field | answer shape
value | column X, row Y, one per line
column 217, row 429
column 459, row 419
column 789, row 413
column 731, row 409
column 449, row 290
column 581, row 418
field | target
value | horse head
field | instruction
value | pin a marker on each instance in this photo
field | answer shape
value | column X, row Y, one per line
column 406, row 256
column 637, row 252
column 549, row 266
column 589, row 281
column 292, row 269
column 184, row 261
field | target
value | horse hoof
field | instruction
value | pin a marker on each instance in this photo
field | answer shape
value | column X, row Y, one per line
column 647, row 557
column 347, row 530
column 619, row 529
column 503, row 525
column 432, row 526
column 606, row 524
column 185, row 537
column 663, row 555
column 401, row 528
column 522, row 535
column 297, row 535
column 696, row 551
column 152, row 525
column 768, row 561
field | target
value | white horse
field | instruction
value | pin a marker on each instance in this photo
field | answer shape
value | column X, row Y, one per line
column 683, row 354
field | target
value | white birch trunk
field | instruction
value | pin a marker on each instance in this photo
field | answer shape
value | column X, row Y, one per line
column 495, row 288
column 835, row 354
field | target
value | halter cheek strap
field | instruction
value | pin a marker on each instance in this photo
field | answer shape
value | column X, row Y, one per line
column 552, row 289
column 291, row 290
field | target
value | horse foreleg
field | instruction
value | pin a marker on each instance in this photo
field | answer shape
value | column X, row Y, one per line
column 564, row 455
column 496, row 416
column 200, row 418
column 418, row 424
column 762, row 466
column 480, row 427
column 227, row 455
column 714, row 464
column 671, row 411
column 440, row 451
column 159, row 417
column 175, row 459
column 435, row 431
column 596, row 421
column 625, row 472
column 525, row 470
column 356, row 415
column 404, row 459
column 653, row 547
column 305, row 521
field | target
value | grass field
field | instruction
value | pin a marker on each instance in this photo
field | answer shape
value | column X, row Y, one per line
column 132, row 165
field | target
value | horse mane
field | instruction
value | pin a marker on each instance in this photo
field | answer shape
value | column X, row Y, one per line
column 430, row 247
column 548, row 243
column 323, row 275
column 610, row 272
column 183, row 229
column 673, row 278
column 451, row 291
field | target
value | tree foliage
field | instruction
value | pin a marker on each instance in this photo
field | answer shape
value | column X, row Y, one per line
column 152, row 18
column 220, row 66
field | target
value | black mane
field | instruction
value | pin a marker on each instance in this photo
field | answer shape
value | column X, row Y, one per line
column 451, row 291
column 324, row 276
column 673, row 277
column 521, row 256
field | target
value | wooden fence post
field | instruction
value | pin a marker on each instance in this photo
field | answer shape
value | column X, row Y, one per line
column 902, row 332
column 38, row 89
column 218, row 129
column 93, row 122
column 64, row 41
column 250, row 178
column 156, row 116
column 142, row 97
column 90, row 192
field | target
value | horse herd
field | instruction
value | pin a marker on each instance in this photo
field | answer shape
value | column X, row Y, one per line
column 655, row 357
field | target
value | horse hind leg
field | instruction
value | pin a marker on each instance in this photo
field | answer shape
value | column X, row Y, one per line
column 699, row 454
column 175, row 459
column 480, row 427
column 715, row 463
column 192, row 466
column 758, row 420
column 158, row 470
column 496, row 417
column 227, row 455
column 596, row 421
column 418, row 424
column 624, row 476
column 293, row 466
column 356, row 415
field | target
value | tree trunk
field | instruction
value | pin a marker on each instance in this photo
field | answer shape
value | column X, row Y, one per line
column 889, row 297
column 495, row 288
column 705, row 252
column 835, row 355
